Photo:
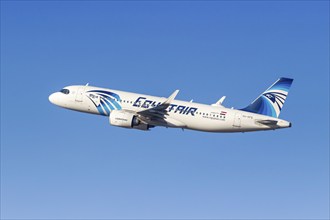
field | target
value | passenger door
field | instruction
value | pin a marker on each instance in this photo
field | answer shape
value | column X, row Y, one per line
column 80, row 93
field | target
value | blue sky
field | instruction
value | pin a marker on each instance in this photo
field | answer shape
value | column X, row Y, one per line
column 57, row 163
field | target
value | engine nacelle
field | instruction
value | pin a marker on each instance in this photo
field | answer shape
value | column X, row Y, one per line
column 127, row 120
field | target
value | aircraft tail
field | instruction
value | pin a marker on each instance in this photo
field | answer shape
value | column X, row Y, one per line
column 271, row 101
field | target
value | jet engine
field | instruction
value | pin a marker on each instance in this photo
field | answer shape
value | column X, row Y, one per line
column 126, row 120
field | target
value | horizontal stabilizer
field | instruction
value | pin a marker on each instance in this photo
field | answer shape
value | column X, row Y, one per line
column 267, row 122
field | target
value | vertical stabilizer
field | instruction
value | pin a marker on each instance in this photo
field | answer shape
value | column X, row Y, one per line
column 272, row 100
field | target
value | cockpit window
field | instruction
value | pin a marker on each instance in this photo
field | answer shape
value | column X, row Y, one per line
column 65, row 91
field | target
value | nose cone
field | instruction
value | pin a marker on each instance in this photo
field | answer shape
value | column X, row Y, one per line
column 53, row 98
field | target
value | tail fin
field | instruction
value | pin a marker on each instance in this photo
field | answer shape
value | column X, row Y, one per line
column 271, row 101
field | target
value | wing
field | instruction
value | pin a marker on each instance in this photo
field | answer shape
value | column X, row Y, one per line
column 158, row 113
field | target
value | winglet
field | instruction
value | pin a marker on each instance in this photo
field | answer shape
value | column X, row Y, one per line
column 172, row 97
column 219, row 102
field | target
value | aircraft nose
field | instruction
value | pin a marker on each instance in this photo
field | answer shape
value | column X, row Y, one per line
column 53, row 98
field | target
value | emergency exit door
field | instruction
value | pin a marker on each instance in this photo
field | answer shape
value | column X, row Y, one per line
column 237, row 120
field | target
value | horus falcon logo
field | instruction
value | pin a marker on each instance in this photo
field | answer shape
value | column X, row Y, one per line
column 276, row 97
column 106, row 101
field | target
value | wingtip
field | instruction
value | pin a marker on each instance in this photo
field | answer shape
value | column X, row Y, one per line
column 175, row 92
column 172, row 96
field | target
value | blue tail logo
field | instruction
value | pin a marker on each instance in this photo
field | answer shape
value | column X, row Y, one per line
column 272, row 100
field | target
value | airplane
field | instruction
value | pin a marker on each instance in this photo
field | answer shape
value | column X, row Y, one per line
column 143, row 112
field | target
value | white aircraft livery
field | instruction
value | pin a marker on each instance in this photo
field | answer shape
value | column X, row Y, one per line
column 138, row 111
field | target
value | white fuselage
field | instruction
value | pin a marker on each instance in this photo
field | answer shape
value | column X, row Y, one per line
column 181, row 114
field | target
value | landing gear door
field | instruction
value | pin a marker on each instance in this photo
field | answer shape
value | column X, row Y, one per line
column 80, row 93
column 237, row 120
